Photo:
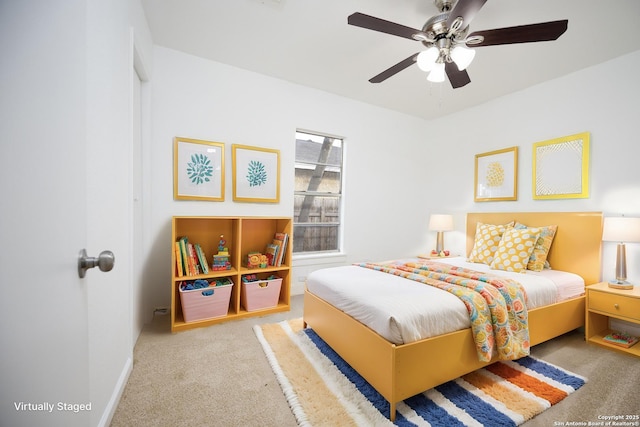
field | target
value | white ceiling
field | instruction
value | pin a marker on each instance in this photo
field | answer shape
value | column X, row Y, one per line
column 310, row 43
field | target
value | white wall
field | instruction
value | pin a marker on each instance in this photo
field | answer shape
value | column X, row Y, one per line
column 601, row 100
column 399, row 169
column 202, row 99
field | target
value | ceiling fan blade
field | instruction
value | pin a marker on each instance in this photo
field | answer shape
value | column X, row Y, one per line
column 388, row 27
column 394, row 70
column 456, row 77
column 466, row 9
column 544, row 31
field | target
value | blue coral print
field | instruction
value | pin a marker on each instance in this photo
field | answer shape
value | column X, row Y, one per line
column 256, row 174
column 199, row 169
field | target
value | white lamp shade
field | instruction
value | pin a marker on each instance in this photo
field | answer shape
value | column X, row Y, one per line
column 439, row 222
column 437, row 73
column 462, row 56
column 427, row 58
column 621, row 229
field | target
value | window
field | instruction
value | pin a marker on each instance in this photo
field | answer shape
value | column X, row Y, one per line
column 318, row 194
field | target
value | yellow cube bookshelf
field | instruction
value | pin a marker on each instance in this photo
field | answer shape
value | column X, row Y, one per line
column 243, row 235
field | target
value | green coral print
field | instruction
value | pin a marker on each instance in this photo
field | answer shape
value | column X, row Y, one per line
column 199, row 169
column 256, row 174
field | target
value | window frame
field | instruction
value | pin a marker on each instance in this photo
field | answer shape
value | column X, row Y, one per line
column 339, row 251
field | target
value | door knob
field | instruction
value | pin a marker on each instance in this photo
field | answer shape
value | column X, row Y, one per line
column 104, row 262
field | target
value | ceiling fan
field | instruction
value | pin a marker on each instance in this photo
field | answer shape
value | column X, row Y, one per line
column 447, row 39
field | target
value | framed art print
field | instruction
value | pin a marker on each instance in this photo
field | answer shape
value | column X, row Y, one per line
column 198, row 170
column 256, row 174
column 561, row 168
column 496, row 175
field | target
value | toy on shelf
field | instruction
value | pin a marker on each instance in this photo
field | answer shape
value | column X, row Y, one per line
column 256, row 260
column 221, row 260
column 221, row 263
column 222, row 249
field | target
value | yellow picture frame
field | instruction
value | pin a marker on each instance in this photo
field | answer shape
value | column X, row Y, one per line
column 496, row 176
column 198, row 170
column 561, row 168
column 256, row 174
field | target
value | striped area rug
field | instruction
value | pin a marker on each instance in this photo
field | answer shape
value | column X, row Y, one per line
column 323, row 390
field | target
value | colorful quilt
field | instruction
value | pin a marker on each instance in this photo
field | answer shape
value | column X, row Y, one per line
column 496, row 305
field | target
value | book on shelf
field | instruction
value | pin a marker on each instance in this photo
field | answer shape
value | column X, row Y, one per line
column 202, row 259
column 193, row 261
column 281, row 239
column 179, row 266
column 621, row 339
column 183, row 255
column 272, row 253
column 190, row 258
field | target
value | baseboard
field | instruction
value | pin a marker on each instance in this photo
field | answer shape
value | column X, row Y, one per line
column 110, row 410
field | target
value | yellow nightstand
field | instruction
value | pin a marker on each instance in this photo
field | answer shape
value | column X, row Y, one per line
column 603, row 303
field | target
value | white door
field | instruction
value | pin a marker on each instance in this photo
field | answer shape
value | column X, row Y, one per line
column 109, row 201
column 44, row 328
column 65, row 342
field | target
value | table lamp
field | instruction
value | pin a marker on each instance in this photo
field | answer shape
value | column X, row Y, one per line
column 621, row 230
column 440, row 223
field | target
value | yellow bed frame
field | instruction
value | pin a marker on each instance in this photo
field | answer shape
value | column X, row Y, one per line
column 401, row 371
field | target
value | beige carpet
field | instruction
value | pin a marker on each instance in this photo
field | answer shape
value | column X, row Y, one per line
column 219, row 376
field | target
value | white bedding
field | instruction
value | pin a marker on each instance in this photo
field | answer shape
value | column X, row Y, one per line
column 403, row 311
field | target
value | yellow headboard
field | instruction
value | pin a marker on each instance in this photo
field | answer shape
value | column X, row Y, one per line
column 577, row 244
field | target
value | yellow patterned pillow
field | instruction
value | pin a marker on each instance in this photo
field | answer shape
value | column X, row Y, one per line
column 487, row 238
column 538, row 258
column 515, row 249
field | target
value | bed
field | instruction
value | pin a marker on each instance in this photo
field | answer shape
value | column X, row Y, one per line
column 399, row 371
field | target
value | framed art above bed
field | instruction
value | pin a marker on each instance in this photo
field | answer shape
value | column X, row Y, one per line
column 561, row 168
column 496, row 175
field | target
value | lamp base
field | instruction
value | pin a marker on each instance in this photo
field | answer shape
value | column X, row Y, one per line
column 620, row 284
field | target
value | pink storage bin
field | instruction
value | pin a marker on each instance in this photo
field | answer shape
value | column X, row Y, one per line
column 205, row 303
column 260, row 294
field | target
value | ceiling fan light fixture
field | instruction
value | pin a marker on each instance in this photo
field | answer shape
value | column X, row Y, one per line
column 449, row 32
column 427, row 58
column 462, row 56
column 437, row 73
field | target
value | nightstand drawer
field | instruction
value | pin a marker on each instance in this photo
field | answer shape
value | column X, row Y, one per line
column 616, row 305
